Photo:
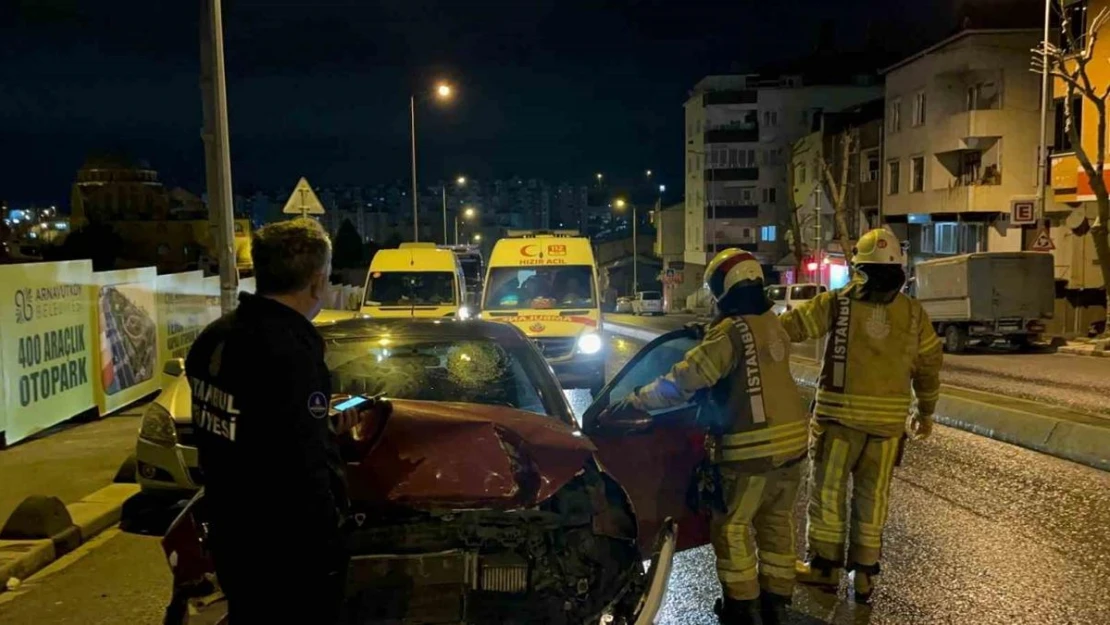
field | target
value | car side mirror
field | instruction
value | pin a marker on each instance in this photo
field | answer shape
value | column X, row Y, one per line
column 174, row 367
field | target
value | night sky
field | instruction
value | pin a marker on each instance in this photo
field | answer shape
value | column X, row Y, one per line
column 556, row 89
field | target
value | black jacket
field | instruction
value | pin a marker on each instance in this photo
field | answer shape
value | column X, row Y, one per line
column 260, row 396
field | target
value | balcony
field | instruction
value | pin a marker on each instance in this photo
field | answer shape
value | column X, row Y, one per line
column 973, row 130
column 739, row 96
column 747, row 134
column 977, row 198
column 733, row 211
column 737, row 173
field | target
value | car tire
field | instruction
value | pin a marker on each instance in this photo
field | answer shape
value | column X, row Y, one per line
column 955, row 339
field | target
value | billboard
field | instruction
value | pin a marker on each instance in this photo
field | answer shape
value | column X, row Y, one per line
column 46, row 348
column 127, row 336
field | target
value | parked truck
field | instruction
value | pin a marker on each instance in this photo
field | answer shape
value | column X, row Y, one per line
column 987, row 296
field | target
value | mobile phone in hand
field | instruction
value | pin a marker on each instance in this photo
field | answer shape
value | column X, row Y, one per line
column 349, row 403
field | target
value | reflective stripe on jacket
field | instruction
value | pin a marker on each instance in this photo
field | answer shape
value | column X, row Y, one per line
column 877, row 356
column 753, row 409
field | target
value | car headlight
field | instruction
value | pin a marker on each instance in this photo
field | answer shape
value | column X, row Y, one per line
column 157, row 425
column 589, row 343
column 464, row 312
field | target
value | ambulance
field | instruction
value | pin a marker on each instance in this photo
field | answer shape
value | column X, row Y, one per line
column 545, row 284
column 415, row 280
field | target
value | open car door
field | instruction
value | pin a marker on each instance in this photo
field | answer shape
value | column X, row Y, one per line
column 654, row 464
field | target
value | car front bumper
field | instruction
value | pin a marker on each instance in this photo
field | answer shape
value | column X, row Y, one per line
column 166, row 467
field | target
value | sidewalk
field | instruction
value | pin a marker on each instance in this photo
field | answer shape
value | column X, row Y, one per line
column 1086, row 347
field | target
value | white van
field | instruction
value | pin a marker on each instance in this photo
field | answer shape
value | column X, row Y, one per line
column 786, row 296
column 545, row 283
column 648, row 303
column 415, row 280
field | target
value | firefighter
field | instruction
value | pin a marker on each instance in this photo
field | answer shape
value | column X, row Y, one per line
column 880, row 345
column 757, row 438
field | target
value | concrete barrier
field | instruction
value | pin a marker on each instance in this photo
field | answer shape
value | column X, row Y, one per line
column 41, row 529
column 1053, row 430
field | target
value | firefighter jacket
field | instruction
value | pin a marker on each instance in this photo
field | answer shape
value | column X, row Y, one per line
column 874, row 354
column 751, row 404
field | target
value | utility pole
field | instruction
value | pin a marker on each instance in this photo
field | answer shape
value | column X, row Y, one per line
column 216, row 149
column 443, row 189
column 1042, row 155
column 635, row 255
column 817, row 231
column 412, row 134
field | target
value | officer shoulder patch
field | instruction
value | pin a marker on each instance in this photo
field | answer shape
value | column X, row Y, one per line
column 318, row 405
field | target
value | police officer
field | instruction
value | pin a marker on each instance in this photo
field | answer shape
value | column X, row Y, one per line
column 880, row 346
column 757, row 438
column 274, row 483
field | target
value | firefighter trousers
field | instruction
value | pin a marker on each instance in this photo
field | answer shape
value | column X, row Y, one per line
column 837, row 452
column 764, row 501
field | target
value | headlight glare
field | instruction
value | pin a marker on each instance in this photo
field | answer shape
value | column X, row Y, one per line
column 589, row 343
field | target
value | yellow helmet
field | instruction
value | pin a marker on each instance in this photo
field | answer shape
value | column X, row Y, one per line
column 729, row 268
column 878, row 247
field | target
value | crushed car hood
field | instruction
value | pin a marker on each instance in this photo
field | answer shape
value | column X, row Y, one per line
column 436, row 455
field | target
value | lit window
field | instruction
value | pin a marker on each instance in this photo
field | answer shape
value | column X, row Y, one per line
column 767, row 233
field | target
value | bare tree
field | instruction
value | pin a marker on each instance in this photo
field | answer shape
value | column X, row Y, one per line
column 1070, row 64
column 837, row 189
column 796, row 225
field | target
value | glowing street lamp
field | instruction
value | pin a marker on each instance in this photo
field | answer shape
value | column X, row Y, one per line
column 443, row 91
column 468, row 213
column 620, row 204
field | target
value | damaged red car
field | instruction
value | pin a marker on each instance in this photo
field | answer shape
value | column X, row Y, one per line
column 483, row 500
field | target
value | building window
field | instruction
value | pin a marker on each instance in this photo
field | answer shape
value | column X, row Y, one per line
column 770, row 118
column 927, row 232
column 893, row 175
column 870, row 172
column 767, row 233
column 1075, row 36
column 895, row 116
column 1061, row 142
column 983, row 96
column 769, row 195
column 919, row 109
column 917, row 174
column 747, row 196
column 946, row 238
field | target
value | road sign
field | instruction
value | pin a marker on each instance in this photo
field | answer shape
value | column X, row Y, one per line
column 303, row 201
column 1043, row 243
column 1023, row 212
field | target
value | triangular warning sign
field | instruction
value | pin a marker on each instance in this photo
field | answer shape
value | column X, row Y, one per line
column 303, row 201
column 1043, row 243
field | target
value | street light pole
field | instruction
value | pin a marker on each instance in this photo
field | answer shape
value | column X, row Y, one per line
column 1042, row 155
column 635, row 254
column 412, row 135
column 444, row 195
column 217, row 151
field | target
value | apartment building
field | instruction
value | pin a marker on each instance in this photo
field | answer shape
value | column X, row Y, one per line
column 961, row 142
column 739, row 133
column 848, row 144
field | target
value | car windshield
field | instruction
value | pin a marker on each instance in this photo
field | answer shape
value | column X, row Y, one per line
column 472, row 371
column 807, row 291
column 562, row 286
column 652, row 296
column 777, row 293
column 411, row 288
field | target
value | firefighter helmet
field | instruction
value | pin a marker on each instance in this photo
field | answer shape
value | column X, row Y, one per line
column 730, row 268
column 878, row 247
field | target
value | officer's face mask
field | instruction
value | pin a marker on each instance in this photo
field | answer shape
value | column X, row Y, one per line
column 882, row 280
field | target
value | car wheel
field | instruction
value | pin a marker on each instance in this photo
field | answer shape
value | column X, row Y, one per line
column 955, row 339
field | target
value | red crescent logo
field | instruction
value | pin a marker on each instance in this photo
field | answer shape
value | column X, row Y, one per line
column 537, row 327
column 524, row 250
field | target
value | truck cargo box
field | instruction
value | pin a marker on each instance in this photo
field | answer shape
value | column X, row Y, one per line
column 987, row 287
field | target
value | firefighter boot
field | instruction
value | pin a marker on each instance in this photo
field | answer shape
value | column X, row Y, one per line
column 773, row 609
column 818, row 571
column 864, row 578
column 735, row 611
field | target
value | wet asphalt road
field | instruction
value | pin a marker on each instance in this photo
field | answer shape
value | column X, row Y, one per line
column 1077, row 382
column 981, row 532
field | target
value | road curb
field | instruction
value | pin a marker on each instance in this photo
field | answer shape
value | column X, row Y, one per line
column 19, row 559
column 1019, row 423
column 1083, row 350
